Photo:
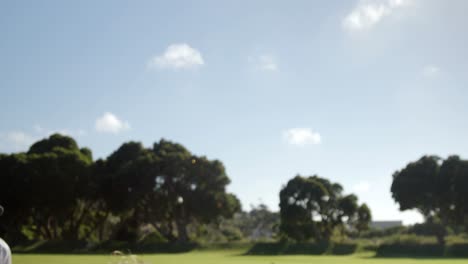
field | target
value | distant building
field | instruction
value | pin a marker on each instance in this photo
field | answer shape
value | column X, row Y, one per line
column 385, row 224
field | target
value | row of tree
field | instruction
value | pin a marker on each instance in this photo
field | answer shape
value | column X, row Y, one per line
column 56, row 190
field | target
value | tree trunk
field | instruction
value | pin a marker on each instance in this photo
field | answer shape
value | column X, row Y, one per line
column 165, row 230
column 182, row 231
column 441, row 239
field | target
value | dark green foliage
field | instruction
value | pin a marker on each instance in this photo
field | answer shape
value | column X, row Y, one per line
column 176, row 247
column 364, row 217
column 428, row 229
column 231, row 233
column 67, row 247
column 380, row 233
column 437, row 188
column 154, row 237
column 187, row 189
column 312, row 207
column 402, row 249
column 414, row 187
column 271, row 248
column 258, row 224
column 47, row 189
column 55, row 191
column 457, row 250
column 344, row 248
column 452, row 191
column 53, row 247
column 55, row 141
column 144, row 247
column 309, row 248
column 304, row 199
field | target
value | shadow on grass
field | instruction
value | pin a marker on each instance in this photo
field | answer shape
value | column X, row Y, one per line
column 86, row 248
column 422, row 251
column 310, row 248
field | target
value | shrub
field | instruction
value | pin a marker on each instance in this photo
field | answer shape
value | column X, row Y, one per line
column 313, row 248
column 59, row 246
column 309, row 248
column 165, row 247
column 111, row 245
column 344, row 248
column 410, row 249
column 154, row 237
column 273, row 248
column 457, row 250
column 380, row 233
column 145, row 247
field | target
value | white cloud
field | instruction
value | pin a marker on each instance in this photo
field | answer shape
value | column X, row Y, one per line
column 43, row 132
column 430, row 70
column 369, row 13
column 109, row 123
column 81, row 132
column 302, row 136
column 22, row 140
column 177, row 56
column 67, row 132
column 18, row 140
column 361, row 187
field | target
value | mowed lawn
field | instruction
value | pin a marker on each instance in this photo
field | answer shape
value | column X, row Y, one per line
column 220, row 257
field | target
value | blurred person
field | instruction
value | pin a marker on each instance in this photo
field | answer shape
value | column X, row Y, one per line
column 5, row 252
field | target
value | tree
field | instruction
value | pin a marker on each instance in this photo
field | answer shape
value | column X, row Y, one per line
column 312, row 207
column 260, row 223
column 166, row 186
column 437, row 189
column 414, row 187
column 190, row 188
column 452, row 191
column 48, row 187
column 15, row 192
column 127, row 187
column 56, row 191
column 60, row 175
column 364, row 218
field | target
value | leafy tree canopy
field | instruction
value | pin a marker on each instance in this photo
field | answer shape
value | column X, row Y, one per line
column 312, row 207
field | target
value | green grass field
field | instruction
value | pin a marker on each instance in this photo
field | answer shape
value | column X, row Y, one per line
column 220, row 257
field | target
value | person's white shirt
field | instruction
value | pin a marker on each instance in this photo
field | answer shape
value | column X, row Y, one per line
column 5, row 253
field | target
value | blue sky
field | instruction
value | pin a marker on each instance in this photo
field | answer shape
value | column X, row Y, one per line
column 348, row 90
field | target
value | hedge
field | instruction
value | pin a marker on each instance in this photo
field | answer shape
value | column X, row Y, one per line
column 404, row 249
column 457, row 250
column 309, row 248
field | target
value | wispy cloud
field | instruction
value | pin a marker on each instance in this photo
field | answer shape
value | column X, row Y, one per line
column 177, row 56
column 19, row 140
column 367, row 14
column 430, row 70
column 41, row 131
column 264, row 62
column 71, row 133
column 302, row 136
column 110, row 123
column 361, row 187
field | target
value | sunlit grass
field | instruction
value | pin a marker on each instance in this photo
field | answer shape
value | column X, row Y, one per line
column 218, row 257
